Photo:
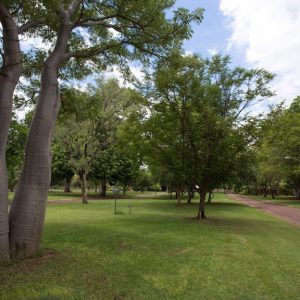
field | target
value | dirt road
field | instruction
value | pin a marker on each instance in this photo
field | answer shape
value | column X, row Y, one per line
column 290, row 214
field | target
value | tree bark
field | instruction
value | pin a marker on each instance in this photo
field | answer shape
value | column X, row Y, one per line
column 67, row 188
column 27, row 212
column 103, row 187
column 178, row 195
column 82, row 177
column 297, row 193
column 9, row 76
column 273, row 193
column 209, row 196
column 190, row 196
column 201, row 210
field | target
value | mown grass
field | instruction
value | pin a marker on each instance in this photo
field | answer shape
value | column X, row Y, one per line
column 75, row 195
column 159, row 252
column 286, row 200
column 59, row 195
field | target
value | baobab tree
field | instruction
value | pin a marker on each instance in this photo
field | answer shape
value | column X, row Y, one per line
column 11, row 69
column 93, row 34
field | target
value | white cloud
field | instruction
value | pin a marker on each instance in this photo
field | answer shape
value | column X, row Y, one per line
column 212, row 51
column 268, row 32
column 27, row 43
column 115, row 72
column 189, row 52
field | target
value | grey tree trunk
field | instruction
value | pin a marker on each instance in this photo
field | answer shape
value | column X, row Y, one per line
column 103, row 187
column 28, row 208
column 82, row 177
column 201, row 211
column 190, row 195
column 67, row 187
column 178, row 195
column 297, row 193
column 209, row 196
column 9, row 76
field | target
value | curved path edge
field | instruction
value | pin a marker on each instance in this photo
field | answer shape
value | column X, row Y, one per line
column 289, row 214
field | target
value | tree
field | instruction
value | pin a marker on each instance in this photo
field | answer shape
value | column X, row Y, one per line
column 195, row 114
column 142, row 30
column 122, row 172
column 87, row 127
column 142, row 180
column 101, row 169
column 11, row 69
column 278, row 150
column 61, row 168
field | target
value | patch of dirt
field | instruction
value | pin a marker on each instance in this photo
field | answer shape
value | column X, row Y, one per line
column 27, row 265
column 64, row 201
column 287, row 213
column 45, row 256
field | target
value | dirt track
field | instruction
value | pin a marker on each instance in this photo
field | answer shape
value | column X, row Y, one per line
column 290, row 214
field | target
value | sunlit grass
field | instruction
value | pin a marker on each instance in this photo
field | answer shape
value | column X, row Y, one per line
column 159, row 251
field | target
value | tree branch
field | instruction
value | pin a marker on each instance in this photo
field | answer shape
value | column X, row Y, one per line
column 30, row 24
column 73, row 6
column 91, row 51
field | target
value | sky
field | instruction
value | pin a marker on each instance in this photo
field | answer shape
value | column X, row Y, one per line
column 256, row 34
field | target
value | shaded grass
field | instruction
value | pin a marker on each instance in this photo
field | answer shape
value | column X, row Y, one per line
column 160, row 251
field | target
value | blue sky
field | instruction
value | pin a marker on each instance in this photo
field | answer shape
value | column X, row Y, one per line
column 256, row 34
column 212, row 33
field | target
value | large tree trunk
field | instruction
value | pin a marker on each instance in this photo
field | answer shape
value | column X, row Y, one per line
column 28, row 208
column 201, row 212
column 9, row 76
column 82, row 177
column 103, row 187
column 67, row 187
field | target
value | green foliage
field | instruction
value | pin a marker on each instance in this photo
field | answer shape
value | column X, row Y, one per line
column 60, row 166
column 280, row 147
column 143, row 180
column 103, row 34
column 15, row 151
column 88, row 122
column 196, row 130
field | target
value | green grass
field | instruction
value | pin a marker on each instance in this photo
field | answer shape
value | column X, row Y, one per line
column 75, row 194
column 159, row 252
column 286, row 200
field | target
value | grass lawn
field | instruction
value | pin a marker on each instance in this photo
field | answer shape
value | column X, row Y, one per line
column 75, row 194
column 57, row 195
column 286, row 200
column 159, row 252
